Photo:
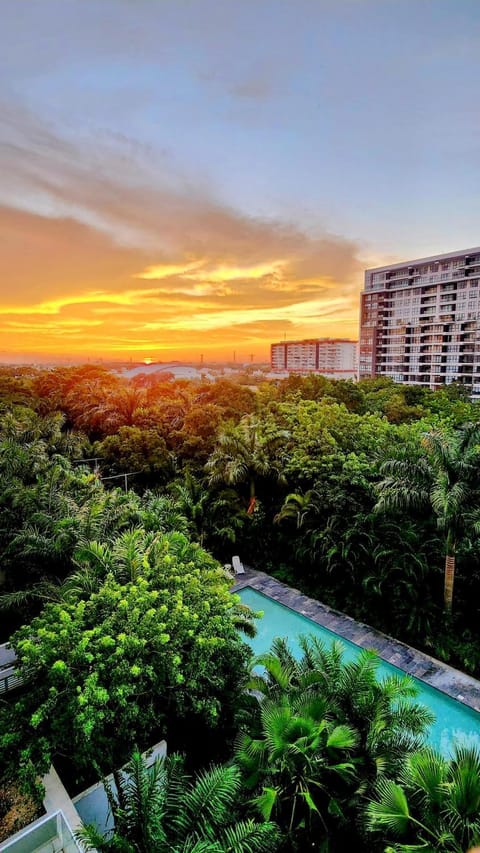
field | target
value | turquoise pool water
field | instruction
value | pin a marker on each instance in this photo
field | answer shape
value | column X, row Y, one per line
column 454, row 722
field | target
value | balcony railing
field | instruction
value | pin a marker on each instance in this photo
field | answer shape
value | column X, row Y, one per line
column 9, row 679
column 48, row 833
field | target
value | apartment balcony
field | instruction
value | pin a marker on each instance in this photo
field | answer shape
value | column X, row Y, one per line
column 49, row 833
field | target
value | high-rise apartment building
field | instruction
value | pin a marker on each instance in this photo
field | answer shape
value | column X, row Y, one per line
column 420, row 321
column 334, row 357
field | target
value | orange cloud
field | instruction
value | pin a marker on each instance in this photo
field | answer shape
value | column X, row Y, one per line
column 93, row 232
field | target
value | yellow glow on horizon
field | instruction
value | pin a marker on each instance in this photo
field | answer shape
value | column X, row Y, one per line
column 301, row 312
column 200, row 305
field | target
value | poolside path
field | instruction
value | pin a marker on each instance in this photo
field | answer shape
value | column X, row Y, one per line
column 439, row 675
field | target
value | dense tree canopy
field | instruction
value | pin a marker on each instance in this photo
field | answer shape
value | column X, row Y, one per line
column 144, row 643
column 320, row 733
column 229, row 466
column 123, row 622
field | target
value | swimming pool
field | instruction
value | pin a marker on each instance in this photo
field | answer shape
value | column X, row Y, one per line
column 454, row 722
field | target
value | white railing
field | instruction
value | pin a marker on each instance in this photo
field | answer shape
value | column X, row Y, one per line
column 48, row 834
column 9, row 679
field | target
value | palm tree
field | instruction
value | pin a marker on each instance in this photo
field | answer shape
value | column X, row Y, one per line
column 226, row 518
column 162, row 809
column 163, row 513
column 192, row 499
column 443, row 478
column 388, row 723
column 435, row 806
column 212, row 517
column 300, row 508
column 298, row 765
column 320, row 732
column 125, row 558
column 245, row 452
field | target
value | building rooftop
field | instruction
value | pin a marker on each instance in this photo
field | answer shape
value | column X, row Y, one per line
column 430, row 258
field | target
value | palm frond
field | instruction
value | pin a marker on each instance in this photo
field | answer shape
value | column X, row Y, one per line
column 390, row 811
column 210, row 800
column 250, row 837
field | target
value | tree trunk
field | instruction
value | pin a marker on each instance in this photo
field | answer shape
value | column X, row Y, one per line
column 253, row 499
column 449, row 578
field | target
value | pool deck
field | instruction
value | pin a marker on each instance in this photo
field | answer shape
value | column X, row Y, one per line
column 439, row 675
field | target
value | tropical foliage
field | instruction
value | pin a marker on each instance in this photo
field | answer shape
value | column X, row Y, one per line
column 162, row 809
column 435, row 805
column 120, row 501
column 320, row 731
column 444, row 477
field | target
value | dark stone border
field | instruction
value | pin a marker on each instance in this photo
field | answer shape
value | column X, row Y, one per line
column 439, row 675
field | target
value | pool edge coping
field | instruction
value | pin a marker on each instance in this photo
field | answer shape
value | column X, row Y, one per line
column 456, row 684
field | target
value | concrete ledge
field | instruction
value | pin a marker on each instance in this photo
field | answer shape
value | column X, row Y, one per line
column 57, row 799
column 92, row 804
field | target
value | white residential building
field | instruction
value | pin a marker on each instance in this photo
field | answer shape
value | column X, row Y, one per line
column 332, row 357
column 420, row 321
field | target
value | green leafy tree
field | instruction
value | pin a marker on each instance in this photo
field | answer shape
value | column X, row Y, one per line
column 164, row 810
column 140, row 451
column 195, row 441
column 16, row 387
column 235, row 400
column 152, row 650
column 442, row 478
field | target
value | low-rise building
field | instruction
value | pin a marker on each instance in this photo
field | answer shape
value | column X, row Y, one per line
column 332, row 357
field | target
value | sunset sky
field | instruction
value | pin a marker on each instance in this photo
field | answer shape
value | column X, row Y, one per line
column 181, row 177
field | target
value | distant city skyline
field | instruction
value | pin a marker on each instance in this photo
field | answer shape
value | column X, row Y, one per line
column 186, row 177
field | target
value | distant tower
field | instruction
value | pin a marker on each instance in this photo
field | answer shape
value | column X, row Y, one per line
column 234, row 356
column 251, row 357
column 201, row 358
